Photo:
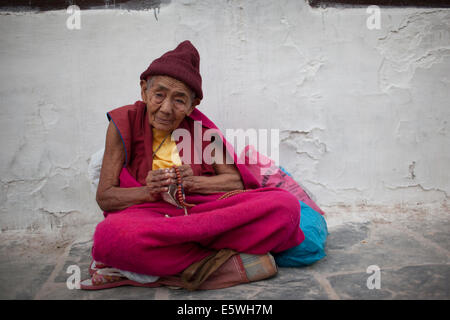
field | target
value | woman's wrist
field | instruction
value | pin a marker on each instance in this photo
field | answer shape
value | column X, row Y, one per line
column 189, row 184
column 148, row 196
column 212, row 184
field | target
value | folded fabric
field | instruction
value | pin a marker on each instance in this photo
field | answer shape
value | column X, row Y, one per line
column 94, row 168
column 312, row 249
column 301, row 192
column 269, row 174
column 138, row 277
column 141, row 239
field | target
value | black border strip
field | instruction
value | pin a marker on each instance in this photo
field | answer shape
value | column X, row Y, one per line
column 389, row 3
column 46, row 5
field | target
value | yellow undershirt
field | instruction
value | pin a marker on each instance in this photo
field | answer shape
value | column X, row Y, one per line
column 167, row 155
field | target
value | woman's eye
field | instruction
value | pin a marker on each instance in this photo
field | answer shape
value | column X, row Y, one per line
column 179, row 101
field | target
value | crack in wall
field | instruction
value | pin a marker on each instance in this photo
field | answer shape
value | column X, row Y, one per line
column 418, row 186
column 58, row 214
column 411, row 170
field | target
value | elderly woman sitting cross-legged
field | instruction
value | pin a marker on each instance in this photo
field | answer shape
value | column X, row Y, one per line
column 172, row 217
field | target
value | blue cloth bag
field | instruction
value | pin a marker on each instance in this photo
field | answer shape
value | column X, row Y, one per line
column 312, row 249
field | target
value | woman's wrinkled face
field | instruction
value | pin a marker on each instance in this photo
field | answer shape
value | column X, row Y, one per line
column 168, row 101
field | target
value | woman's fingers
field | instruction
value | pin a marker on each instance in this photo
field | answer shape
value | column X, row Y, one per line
column 158, row 189
column 162, row 179
column 159, row 175
column 161, row 184
column 159, row 180
column 185, row 170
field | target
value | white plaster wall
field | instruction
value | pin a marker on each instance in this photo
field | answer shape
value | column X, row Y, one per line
column 364, row 114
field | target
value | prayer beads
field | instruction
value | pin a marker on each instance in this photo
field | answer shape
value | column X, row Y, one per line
column 231, row 193
column 180, row 194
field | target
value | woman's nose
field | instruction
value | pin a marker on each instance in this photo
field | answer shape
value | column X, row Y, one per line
column 166, row 106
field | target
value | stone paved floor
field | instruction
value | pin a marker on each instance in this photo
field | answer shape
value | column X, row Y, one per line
column 411, row 248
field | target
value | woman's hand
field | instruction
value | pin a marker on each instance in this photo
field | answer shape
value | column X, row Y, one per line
column 158, row 180
column 185, row 171
column 187, row 177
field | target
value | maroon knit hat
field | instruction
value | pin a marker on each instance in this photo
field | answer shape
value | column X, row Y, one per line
column 182, row 63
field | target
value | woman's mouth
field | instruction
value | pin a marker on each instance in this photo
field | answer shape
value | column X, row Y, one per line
column 163, row 121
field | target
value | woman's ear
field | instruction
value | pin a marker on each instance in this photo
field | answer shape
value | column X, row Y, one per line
column 195, row 103
column 143, row 84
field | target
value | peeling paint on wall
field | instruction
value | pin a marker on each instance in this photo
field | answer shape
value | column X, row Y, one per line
column 421, row 40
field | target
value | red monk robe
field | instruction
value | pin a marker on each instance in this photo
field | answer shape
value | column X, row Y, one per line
column 142, row 239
